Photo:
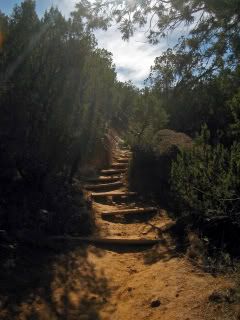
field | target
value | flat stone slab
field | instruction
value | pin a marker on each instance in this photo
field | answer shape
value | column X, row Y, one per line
column 129, row 211
column 113, row 171
column 112, row 194
column 123, row 160
column 119, row 165
column 104, row 186
column 98, row 240
column 104, row 179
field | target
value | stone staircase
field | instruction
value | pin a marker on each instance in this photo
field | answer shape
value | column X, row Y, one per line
column 111, row 187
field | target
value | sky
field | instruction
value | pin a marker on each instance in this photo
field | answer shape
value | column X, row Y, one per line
column 132, row 59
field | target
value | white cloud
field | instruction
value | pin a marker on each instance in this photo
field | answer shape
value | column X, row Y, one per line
column 134, row 58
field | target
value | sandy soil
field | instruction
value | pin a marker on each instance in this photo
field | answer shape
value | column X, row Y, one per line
column 138, row 278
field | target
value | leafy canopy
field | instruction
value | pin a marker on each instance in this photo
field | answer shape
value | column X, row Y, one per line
column 214, row 30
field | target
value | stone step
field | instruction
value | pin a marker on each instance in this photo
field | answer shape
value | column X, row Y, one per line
column 104, row 186
column 123, row 160
column 113, row 171
column 123, row 148
column 111, row 241
column 95, row 195
column 104, row 179
column 125, row 153
column 119, row 165
column 55, row 241
column 129, row 211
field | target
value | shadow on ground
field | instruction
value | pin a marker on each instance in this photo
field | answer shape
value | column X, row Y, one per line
column 173, row 245
column 123, row 248
column 159, row 252
column 51, row 285
column 129, row 219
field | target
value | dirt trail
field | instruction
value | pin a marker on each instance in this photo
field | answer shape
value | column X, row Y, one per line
column 114, row 282
column 147, row 283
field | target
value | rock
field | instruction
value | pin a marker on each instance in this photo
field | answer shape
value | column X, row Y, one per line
column 131, row 271
column 155, row 303
column 150, row 170
column 168, row 144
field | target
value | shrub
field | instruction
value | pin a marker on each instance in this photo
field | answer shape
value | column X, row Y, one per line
column 206, row 184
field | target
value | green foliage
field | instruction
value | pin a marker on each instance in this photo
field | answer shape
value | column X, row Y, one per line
column 234, row 104
column 196, row 79
column 206, row 182
column 59, row 87
column 190, row 102
column 127, row 96
column 213, row 37
column 58, row 97
column 146, row 119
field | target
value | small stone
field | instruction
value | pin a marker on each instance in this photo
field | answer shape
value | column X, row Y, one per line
column 131, row 271
column 155, row 303
column 177, row 295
